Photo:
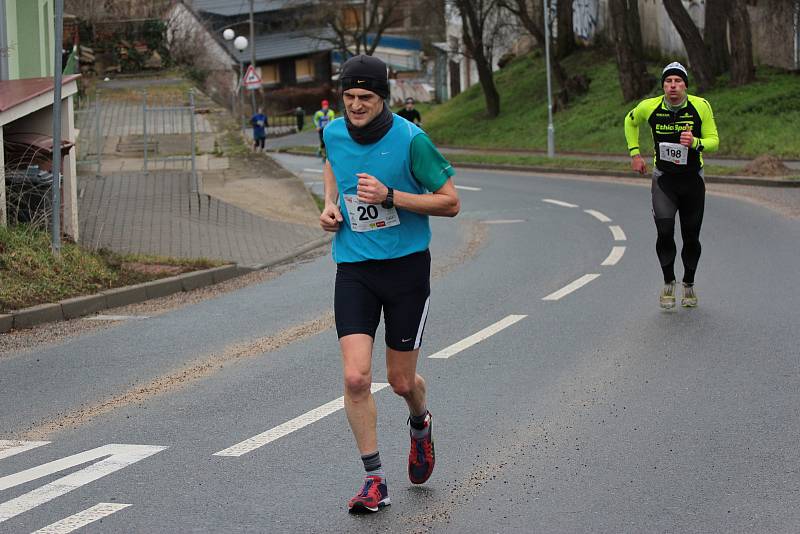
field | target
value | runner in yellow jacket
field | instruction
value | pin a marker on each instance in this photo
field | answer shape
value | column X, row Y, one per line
column 322, row 118
column 683, row 128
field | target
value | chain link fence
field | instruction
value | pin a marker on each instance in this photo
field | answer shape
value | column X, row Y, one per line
column 139, row 132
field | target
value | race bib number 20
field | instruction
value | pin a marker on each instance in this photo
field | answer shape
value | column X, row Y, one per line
column 674, row 153
column 368, row 217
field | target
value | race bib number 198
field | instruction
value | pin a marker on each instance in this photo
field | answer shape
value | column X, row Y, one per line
column 674, row 153
column 368, row 217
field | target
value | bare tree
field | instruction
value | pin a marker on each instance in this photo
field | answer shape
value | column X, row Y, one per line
column 742, row 69
column 351, row 23
column 527, row 13
column 565, row 34
column 715, row 34
column 479, row 19
column 699, row 58
column 627, row 36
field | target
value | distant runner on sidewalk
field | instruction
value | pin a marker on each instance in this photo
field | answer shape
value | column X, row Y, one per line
column 683, row 128
column 259, row 122
column 382, row 234
column 322, row 118
column 409, row 113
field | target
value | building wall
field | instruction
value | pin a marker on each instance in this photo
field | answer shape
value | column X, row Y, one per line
column 30, row 35
column 774, row 25
column 776, row 32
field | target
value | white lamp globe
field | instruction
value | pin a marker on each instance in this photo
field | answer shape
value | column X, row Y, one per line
column 229, row 34
column 240, row 43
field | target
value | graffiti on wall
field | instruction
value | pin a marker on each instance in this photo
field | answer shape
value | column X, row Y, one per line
column 584, row 16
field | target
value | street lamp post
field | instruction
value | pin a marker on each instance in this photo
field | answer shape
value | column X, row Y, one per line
column 228, row 34
column 240, row 43
column 551, row 142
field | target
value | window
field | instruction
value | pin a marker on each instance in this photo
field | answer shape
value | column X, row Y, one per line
column 304, row 70
column 269, row 74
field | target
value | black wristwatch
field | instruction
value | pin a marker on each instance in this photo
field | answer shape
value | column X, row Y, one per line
column 389, row 202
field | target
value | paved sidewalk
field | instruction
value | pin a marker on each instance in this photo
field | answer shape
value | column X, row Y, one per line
column 158, row 214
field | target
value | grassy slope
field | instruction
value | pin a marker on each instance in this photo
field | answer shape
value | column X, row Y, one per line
column 752, row 120
column 30, row 274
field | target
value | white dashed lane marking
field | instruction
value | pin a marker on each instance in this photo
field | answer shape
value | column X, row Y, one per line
column 81, row 519
column 614, row 257
column 477, row 337
column 468, row 188
column 290, row 426
column 559, row 203
column 617, row 232
column 569, row 288
column 317, row 171
column 504, row 221
column 598, row 215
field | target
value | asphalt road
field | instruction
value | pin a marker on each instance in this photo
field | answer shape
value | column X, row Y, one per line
column 589, row 410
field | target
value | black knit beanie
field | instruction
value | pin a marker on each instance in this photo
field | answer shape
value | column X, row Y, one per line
column 675, row 69
column 365, row 72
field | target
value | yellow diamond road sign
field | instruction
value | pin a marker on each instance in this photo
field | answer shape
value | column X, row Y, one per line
column 251, row 79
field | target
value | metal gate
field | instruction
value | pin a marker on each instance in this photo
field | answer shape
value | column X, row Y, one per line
column 149, row 132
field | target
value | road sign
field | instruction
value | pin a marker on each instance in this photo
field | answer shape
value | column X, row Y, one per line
column 251, row 79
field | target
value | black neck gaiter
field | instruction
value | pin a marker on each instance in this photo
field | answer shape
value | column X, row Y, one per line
column 374, row 130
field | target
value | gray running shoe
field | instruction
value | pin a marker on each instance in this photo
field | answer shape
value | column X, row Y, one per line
column 689, row 297
column 667, row 297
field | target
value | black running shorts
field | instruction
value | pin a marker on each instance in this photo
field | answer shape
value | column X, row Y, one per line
column 399, row 286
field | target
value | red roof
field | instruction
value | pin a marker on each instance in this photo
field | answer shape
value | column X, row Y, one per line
column 15, row 92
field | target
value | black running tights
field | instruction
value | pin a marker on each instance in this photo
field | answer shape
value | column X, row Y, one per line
column 683, row 194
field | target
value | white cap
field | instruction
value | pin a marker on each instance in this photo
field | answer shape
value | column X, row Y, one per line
column 676, row 69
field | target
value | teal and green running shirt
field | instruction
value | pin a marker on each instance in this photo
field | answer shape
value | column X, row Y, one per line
column 695, row 115
column 404, row 159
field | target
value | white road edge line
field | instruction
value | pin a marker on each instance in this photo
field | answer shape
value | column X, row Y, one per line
column 81, row 519
column 600, row 216
column 290, row 426
column 477, row 337
column 468, row 188
column 102, row 317
column 569, row 288
column 318, row 171
column 504, row 221
column 617, row 232
column 559, row 203
column 615, row 256
column 9, row 447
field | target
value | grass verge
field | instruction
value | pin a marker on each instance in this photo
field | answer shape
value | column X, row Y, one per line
column 752, row 120
column 30, row 274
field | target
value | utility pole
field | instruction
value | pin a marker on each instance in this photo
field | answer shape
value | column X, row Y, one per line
column 55, row 238
column 252, row 53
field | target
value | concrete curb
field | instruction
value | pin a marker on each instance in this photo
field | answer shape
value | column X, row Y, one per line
column 308, row 247
column 6, row 322
column 73, row 308
column 711, row 179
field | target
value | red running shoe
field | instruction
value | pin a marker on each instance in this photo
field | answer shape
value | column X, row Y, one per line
column 372, row 497
column 422, row 457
